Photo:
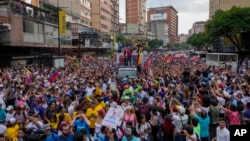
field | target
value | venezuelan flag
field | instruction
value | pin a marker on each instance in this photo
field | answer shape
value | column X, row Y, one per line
column 53, row 75
column 139, row 61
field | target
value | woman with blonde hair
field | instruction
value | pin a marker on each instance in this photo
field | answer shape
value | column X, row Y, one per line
column 130, row 116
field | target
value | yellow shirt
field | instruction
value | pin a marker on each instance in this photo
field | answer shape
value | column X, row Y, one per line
column 12, row 132
column 53, row 125
column 91, row 118
column 102, row 104
column 67, row 117
column 99, row 107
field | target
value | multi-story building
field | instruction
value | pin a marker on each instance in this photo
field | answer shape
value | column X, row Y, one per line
column 183, row 38
column 226, row 5
column 101, row 15
column 160, row 29
column 136, row 14
column 167, row 14
column 115, row 15
column 197, row 28
column 29, row 29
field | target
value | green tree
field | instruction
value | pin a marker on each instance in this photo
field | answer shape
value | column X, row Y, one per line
column 200, row 41
column 229, row 24
column 121, row 38
column 155, row 43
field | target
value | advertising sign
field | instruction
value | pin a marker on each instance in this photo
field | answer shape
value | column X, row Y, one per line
column 159, row 16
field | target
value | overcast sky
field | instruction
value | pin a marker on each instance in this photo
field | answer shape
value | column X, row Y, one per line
column 189, row 11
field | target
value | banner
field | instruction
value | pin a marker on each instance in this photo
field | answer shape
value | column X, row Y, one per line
column 62, row 22
column 113, row 117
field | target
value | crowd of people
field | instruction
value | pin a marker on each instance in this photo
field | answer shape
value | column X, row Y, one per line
column 179, row 100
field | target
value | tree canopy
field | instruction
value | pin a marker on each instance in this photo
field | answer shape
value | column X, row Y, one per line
column 155, row 43
column 200, row 40
column 229, row 24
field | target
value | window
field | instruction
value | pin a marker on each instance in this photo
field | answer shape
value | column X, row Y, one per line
column 32, row 27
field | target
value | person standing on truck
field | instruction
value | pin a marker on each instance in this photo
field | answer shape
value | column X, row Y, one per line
column 127, row 57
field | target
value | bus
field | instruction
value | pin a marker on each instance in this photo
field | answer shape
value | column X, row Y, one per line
column 223, row 59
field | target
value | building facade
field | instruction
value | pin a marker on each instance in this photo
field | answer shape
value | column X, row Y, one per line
column 183, row 38
column 101, row 15
column 115, row 15
column 226, row 5
column 197, row 28
column 29, row 28
column 168, row 14
column 160, row 29
column 136, row 14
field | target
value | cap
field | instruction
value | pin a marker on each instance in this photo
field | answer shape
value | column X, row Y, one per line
column 101, row 112
column 128, row 132
column 38, row 100
column 12, row 120
column 182, row 110
column 10, row 107
column 46, row 127
column 1, row 85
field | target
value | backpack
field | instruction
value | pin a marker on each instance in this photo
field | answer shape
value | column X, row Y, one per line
column 168, row 127
column 240, row 106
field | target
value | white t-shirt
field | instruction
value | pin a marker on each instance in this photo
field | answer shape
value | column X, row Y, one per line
column 32, row 126
column 179, row 120
column 193, row 136
column 89, row 90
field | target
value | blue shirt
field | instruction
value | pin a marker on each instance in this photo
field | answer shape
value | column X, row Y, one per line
column 204, row 125
column 70, row 137
column 81, row 124
column 2, row 115
column 39, row 110
column 133, row 139
column 52, row 137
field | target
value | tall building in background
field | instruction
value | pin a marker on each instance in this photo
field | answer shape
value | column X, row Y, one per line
column 197, row 28
column 160, row 29
column 226, row 5
column 101, row 15
column 168, row 14
column 136, row 17
column 115, row 15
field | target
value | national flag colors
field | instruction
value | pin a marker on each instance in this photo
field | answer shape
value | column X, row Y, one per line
column 139, row 60
column 149, row 60
column 53, row 75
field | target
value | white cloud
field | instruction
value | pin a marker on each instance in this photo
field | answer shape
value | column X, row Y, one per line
column 189, row 11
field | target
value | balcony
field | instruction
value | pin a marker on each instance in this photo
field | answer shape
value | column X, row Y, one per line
column 35, row 13
column 33, row 38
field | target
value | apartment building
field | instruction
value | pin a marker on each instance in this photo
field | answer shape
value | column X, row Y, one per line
column 115, row 15
column 160, row 29
column 167, row 14
column 226, row 5
column 197, row 28
column 136, row 14
column 183, row 38
column 101, row 15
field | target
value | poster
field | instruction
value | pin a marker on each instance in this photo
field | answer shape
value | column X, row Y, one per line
column 113, row 117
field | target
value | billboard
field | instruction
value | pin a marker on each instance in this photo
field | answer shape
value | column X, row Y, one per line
column 158, row 16
column 132, row 28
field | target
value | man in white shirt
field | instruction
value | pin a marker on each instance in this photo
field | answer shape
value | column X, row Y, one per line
column 10, row 112
column 33, row 123
column 222, row 133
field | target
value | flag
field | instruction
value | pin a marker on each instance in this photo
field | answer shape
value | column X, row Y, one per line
column 53, row 75
column 149, row 60
column 169, row 58
column 139, row 60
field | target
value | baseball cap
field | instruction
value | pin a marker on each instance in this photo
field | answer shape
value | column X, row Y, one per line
column 1, row 85
column 46, row 127
column 128, row 132
column 182, row 110
column 101, row 112
column 10, row 107
column 12, row 120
